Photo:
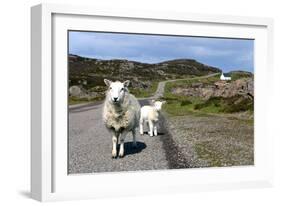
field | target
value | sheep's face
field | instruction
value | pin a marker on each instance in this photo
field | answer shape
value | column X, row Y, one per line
column 158, row 104
column 116, row 90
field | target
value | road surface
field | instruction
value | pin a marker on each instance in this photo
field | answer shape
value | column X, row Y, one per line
column 90, row 145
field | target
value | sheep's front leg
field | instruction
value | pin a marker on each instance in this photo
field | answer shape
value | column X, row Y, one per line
column 150, row 123
column 114, row 145
column 122, row 139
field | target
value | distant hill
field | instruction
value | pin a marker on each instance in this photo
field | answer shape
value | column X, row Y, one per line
column 239, row 74
column 95, row 70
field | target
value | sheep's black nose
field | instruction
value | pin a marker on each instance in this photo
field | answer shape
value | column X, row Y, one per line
column 115, row 99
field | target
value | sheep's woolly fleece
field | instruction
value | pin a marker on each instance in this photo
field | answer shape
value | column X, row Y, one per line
column 125, row 116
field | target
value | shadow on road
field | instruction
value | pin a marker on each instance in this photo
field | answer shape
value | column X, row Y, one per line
column 130, row 150
column 158, row 134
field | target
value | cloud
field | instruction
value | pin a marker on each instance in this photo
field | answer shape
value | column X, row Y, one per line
column 224, row 53
column 205, row 51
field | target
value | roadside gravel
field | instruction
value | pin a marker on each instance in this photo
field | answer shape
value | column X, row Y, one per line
column 206, row 141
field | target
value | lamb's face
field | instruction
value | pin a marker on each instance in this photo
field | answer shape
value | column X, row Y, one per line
column 158, row 105
column 116, row 90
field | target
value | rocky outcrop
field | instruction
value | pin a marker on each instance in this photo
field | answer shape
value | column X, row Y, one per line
column 243, row 87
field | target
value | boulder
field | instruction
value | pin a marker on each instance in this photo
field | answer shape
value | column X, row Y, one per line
column 74, row 91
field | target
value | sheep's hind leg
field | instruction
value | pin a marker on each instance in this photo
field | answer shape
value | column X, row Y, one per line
column 134, row 138
column 122, row 139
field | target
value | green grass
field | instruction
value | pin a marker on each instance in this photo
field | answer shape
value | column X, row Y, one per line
column 179, row 105
column 226, row 105
column 141, row 93
column 77, row 100
column 177, row 109
column 189, row 82
column 184, row 105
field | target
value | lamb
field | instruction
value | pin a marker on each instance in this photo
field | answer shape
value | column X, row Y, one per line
column 121, row 114
column 150, row 115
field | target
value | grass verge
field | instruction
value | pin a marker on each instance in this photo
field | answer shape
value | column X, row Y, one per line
column 77, row 100
column 142, row 93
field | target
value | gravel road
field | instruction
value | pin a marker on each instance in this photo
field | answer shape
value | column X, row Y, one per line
column 90, row 145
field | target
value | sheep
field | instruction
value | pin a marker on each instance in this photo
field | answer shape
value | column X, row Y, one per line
column 121, row 114
column 150, row 114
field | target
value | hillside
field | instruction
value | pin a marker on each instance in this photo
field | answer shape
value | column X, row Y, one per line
column 141, row 74
column 239, row 74
column 86, row 75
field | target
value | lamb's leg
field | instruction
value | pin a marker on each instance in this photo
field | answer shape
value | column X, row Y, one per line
column 122, row 139
column 134, row 138
column 114, row 145
column 150, row 123
column 141, row 126
column 155, row 129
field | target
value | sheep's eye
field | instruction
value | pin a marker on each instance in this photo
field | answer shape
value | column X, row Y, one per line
column 110, row 87
column 122, row 89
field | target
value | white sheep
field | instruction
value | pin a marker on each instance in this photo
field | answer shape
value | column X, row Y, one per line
column 120, row 114
column 150, row 114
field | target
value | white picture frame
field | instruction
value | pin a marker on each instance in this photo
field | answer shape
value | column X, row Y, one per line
column 49, row 179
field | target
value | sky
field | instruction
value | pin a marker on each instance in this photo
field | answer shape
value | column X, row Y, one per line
column 226, row 54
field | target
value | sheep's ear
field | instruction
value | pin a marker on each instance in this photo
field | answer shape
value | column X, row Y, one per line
column 126, row 83
column 164, row 102
column 107, row 82
column 153, row 101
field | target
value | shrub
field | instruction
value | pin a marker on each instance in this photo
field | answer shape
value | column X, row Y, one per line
column 233, row 104
column 215, row 101
column 242, row 104
column 185, row 102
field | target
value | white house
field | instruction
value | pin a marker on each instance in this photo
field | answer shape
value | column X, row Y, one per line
column 224, row 78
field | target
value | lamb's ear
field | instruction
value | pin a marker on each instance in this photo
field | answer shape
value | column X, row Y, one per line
column 153, row 101
column 126, row 83
column 107, row 82
column 164, row 102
